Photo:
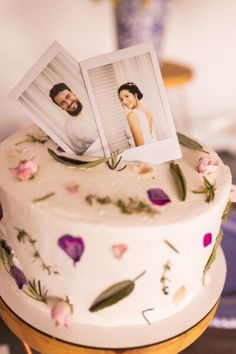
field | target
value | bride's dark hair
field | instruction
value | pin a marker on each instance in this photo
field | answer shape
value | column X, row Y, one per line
column 131, row 87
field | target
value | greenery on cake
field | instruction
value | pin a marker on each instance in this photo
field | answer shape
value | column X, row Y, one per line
column 164, row 279
column 130, row 206
column 22, row 237
column 190, row 143
column 114, row 161
column 208, row 189
column 34, row 139
column 179, row 180
column 114, row 293
column 45, row 197
column 212, row 257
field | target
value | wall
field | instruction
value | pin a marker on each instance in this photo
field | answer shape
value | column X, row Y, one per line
column 202, row 34
column 27, row 28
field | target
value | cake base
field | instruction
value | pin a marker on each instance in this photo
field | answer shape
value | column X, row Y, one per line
column 126, row 336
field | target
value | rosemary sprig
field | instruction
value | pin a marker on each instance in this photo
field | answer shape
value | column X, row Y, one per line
column 164, row 279
column 49, row 195
column 208, row 189
column 36, row 292
column 34, row 139
column 115, row 161
column 131, row 206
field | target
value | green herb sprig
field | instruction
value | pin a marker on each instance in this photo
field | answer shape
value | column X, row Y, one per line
column 36, row 292
column 179, row 179
column 115, row 161
column 208, row 189
column 34, row 139
column 131, row 206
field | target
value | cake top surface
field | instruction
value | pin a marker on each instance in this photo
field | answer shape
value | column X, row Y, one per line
column 104, row 196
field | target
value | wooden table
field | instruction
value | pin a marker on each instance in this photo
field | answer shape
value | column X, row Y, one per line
column 48, row 345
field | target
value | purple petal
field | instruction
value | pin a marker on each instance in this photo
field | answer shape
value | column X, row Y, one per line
column 60, row 149
column 18, row 275
column 158, row 197
column 73, row 246
column 207, row 239
column 1, row 212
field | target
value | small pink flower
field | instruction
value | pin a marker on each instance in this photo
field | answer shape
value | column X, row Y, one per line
column 119, row 250
column 72, row 188
column 233, row 194
column 26, row 169
column 207, row 165
column 207, row 239
column 61, row 313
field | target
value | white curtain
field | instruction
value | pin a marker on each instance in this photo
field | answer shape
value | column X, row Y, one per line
column 36, row 96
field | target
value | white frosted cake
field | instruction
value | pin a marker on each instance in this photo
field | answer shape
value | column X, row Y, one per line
column 101, row 246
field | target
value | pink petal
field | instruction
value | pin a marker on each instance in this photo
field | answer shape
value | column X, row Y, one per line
column 119, row 250
column 73, row 189
column 207, row 239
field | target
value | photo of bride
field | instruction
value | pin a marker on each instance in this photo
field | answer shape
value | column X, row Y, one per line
column 129, row 101
column 140, row 128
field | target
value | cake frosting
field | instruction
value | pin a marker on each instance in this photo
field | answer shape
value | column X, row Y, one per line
column 117, row 246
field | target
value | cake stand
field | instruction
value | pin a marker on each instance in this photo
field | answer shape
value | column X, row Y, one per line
column 170, row 335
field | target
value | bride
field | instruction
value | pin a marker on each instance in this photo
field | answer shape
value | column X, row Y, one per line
column 140, row 128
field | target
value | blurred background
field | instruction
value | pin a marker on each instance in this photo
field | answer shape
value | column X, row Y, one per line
column 195, row 43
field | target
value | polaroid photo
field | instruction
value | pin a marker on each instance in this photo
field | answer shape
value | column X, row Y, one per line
column 54, row 94
column 130, row 106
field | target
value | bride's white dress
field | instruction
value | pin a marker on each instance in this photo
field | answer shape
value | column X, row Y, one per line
column 149, row 135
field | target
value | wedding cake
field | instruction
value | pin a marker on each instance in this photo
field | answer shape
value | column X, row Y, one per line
column 106, row 243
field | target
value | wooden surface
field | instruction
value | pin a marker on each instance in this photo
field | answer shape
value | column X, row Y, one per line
column 48, row 345
column 174, row 74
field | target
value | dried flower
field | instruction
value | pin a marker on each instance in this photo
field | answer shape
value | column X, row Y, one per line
column 158, row 197
column 61, row 313
column 144, row 170
column 207, row 165
column 233, row 193
column 26, row 169
column 73, row 246
column 207, row 239
column 119, row 250
column 18, row 275
column 72, row 188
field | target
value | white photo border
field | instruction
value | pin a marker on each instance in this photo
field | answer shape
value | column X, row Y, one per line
column 161, row 151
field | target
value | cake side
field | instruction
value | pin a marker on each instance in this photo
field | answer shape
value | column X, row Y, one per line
column 76, row 232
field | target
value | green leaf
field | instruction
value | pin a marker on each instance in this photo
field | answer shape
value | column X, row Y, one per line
column 75, row 162
column 114, row 294
column 190, row 143
column 179, row 180
column 213, row 253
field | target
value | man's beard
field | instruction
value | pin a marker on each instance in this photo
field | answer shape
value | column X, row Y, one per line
column 77, row 110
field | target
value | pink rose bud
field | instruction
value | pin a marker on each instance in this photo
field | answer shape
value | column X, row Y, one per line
column 61, row 313
column 207, row 165
column 25, row 170
column 232, row 197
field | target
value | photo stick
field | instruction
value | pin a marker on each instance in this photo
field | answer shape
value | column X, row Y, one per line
column 54, row 94
column 130, row 106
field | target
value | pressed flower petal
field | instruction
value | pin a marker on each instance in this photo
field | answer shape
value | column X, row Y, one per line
column 207, row 239
column 18, row 275
column 73, row 246
column 119, row 250
column 158, row 197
